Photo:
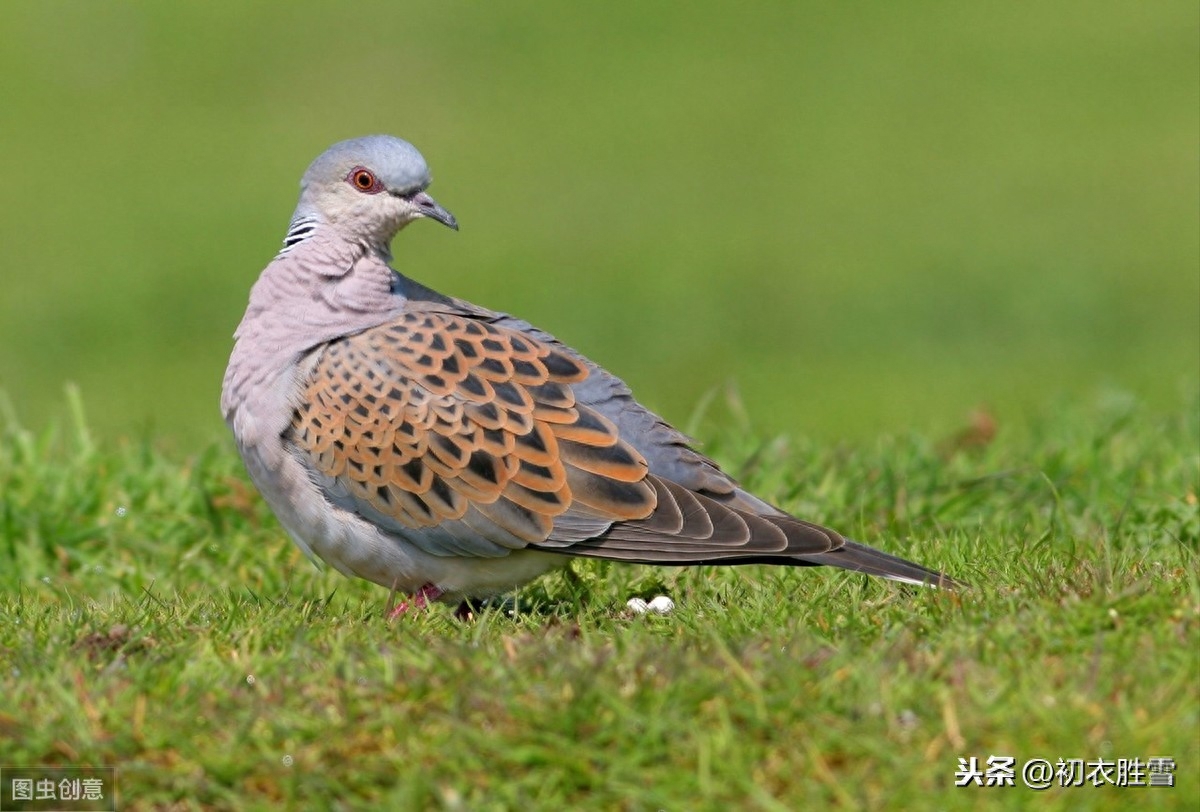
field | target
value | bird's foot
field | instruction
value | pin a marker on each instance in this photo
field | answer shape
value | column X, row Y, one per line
column 423, row 597
column 468, row 609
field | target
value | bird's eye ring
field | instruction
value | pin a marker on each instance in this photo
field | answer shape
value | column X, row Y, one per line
column 364, row 180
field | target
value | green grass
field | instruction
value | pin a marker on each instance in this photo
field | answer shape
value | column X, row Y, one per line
column 154, row 617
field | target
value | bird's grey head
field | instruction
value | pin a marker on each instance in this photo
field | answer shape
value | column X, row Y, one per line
column 369, row 188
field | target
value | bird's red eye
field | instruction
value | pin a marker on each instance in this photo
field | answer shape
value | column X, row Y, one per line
column 364, row 180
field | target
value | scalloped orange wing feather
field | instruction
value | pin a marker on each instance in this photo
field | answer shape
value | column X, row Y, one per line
column 435, row 414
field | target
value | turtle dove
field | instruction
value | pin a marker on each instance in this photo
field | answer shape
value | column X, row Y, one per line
column 452, row 452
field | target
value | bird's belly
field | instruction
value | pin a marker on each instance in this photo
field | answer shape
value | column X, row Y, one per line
column 358, row 548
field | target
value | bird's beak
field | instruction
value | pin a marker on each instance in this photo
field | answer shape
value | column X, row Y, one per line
column 430, row 208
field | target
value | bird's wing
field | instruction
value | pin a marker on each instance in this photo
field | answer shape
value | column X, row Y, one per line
column 468, row 436
column 667, row 450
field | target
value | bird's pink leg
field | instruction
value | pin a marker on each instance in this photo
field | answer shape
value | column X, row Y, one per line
column 423, row 597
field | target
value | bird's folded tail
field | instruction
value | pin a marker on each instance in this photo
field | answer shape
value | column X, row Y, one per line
column 861, row 558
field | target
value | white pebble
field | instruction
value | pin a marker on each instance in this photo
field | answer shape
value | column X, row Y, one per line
column 661, row 605
column 637, row 606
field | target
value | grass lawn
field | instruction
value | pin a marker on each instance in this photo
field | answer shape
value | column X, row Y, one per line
column 154, row 617
column 868, row 218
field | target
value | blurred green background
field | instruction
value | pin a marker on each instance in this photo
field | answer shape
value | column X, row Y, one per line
column 863, row 217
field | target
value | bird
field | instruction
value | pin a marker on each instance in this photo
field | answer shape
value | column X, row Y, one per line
column 453, row 453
